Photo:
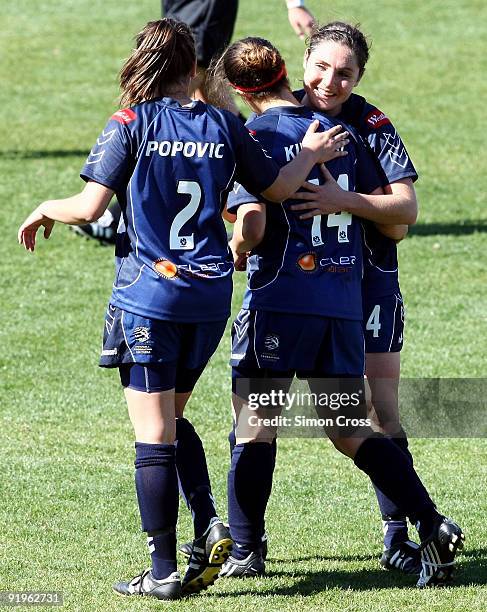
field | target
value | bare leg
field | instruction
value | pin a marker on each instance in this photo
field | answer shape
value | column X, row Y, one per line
column 152, row 416
column 383, row 371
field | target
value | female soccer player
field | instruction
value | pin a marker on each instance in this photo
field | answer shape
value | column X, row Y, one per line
column 302, row 313
column 334, row 64
column 171, row 162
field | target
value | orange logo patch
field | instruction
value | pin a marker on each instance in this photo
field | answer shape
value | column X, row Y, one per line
column 166, row 268
column 307, row 262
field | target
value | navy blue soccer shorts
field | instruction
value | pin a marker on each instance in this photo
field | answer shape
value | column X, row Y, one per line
column 155, row 355
column 309, row 345
column 270, row 348
column 383, row 323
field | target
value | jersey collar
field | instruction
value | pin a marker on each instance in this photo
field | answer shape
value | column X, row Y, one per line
column 175, row 104
column 300, row 111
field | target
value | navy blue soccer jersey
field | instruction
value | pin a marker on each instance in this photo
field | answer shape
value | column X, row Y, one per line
column 172, row 167
column 380, row 252
column 393, row 163
column 311, row 266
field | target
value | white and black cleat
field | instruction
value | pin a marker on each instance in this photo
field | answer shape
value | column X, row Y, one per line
column 253, row 565
column 403, row 557
column 438, row 553
column 145, row 584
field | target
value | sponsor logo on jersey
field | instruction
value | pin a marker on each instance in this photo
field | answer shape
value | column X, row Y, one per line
column 171, row 148
column 307, row 262
column 271, row 342
column 166, row 268
column 338, row 265
column 124, row 116
column 141, row 334
column 376, row 118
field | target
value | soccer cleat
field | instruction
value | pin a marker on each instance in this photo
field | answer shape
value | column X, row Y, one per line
column 438, row 553
column 253, row 565
column 145, row 584
column 186, row 548
column 104, row 230
column 208, row 553
column 405, row 557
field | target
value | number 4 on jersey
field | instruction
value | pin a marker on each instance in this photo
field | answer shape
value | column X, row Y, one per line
column 339, row 220
column 373, row 324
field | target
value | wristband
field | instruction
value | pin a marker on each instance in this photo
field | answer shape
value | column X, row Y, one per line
column 294, row 3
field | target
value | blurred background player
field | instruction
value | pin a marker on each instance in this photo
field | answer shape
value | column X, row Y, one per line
column 212, row 23
column 170, row 160
column 300, row 315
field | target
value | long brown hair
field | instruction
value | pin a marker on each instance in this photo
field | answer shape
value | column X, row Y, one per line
column 252, row 66
column 163, row 57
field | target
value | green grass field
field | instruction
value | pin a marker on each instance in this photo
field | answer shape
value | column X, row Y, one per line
column 68, row 518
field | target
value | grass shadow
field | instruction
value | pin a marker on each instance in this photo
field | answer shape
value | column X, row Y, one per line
column 471, row 572
column 460, row 228
column 14, row 154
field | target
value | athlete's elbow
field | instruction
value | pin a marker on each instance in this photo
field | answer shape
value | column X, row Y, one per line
column 253, row 235
column 412, row 213
column 409, row 213
column 253, row 228
column 90, row 216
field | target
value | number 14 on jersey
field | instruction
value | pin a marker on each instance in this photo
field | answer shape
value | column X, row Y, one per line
column 339, row 220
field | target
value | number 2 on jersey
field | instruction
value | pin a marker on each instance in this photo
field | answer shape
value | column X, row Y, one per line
column 185, row 243
column 339, row 220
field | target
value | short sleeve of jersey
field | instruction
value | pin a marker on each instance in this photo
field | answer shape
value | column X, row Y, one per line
column 256, row 170
column 386, row 144
column 111, row 158
column 243, row 192
column 367, row 174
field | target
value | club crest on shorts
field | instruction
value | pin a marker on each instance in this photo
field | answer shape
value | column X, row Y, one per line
column 271, row 342
column 166, row 268
column 307, row 262
column 141, row 334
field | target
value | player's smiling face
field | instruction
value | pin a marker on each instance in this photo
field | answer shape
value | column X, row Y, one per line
column 331, row 72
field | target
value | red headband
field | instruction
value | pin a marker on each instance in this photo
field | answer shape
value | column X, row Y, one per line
column 282, row 73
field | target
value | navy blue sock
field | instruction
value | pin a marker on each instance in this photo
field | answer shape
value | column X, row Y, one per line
column 393, row 518
column 249, row 488
column 157, row 493
column 233, row 441
column 194, row 480
column 392, row 473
